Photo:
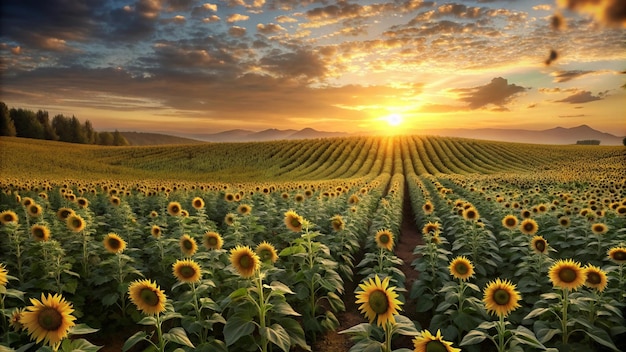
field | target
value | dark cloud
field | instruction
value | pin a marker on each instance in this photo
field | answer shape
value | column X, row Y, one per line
column 580, row 98
column 270, row 28
column 301, row 64
column 498, row 92
column 609, row 12
column 564, row 76
column 135, row 22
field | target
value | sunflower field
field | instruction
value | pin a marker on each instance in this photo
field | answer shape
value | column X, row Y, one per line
column 294, row 245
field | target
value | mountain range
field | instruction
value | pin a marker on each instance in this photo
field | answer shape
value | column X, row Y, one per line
column 557, row 135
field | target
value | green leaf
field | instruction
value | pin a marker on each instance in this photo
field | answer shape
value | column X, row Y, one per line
column 236, row 327
column 284, row 308
column 527, row 337
column 473, row 337
column 79, row 345
column 336, row 303
column 280, row 287
column 179, row 336
column 148, row 320
column 82, row 329
column 13, row 293
column 277, row 335
column 404, row 326
column 363, row 328
column 109, row 299
column 602, row 337
column 536, row 312
column 241, row 292
column 131, row 341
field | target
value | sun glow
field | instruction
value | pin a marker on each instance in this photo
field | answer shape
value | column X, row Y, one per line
column 394, row 120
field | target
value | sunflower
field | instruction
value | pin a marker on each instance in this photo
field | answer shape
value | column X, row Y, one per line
column 528, row 227
column 64, row 213
column 384, row 239
column 7, row 217
column 48, row 320
column 41, row 233
column 564, row 221
column 174, row 208
column 501, row 297
column 378, row 300
column 212, row 240
column 461, row 268
column 3, row 276
column 539, row 245
column 525, row 214
column 354, row 199
column 245, row 261
column 187, row 271
column 426, row 342
column 147, row 296
column 428, row 208
column 229, row 219
column 567, row 274
column 599, row 228
column 618, row 254
column 266, row 252
column 156, row 231
column 188, row 245
column 337, row 223
column 82, row 202
column 15, row 320
column 34, row 210
column 433, row 227
column 293, row 221
column 471, row 214
column 197, row 203
column 154, row 214
column 26, row 201
column 114, row 243
column 510, row 222
column 596, row 278
column 115, row 201
column 75, row 223
column 244, row 209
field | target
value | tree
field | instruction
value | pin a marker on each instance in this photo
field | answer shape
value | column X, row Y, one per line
column 90, row 134
column 624, row 141
column 118, row 139
column 105, row 138
column 61, row 126
column 7, row 127
column 48, row 131
column 26, row 124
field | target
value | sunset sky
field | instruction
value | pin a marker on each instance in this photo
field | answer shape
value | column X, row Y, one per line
column 186, row 66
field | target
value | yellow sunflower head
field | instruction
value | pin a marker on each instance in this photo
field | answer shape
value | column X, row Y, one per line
column 428, row 208
column 293, row 221
column 229, row 197
column 244, row 209
column 509, row 221
column 64, row 213
column 34, row 210
column 431, row 227
column 528, row 226
column 3, row 275
column 501, row 297
column 461, row 268
column 48, row 320
column 115, row 201
column 41, row 233
column 245, row 261
column 212, row 240
column 15, row 321
column 384, row 239
column 154, row 214
column 26, row 201
column 114, row 243
column 599, row 228
column 426, row 342
column 229, row 219
column 156, row 231
column 539, row 245
column 187, row 271
column 75, row 223
column 564, row 221
column 618, row 254
column 567, row 274
column 354, row 199
column 596, row 278
column 8, row 217
column 174, row 209
column 266, row 252
column 147, row 296
column 378, row 301
column 197, row 203
column 82, row 202
column 337, row 223
column 188, row 245
column 471, row 214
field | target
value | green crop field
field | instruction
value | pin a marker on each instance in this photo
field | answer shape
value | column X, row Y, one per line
column 338, row 244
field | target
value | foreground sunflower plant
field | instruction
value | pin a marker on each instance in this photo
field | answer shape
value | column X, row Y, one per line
column 380, row 304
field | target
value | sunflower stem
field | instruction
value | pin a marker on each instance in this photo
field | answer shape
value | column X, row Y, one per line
column 461, row 294
column 388, row 333
column 4, row 321
column 121, row 281
column 262, row 323
column 501, row 327
column 564, row 320
column 160, row 333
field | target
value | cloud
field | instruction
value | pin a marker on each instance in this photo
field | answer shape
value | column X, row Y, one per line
column 580, row 98
column 564, row 76
column 299, row 64
column 236, row 17
column 269, row 28
column 608, row 12
column 498, row 92
column 237, row 31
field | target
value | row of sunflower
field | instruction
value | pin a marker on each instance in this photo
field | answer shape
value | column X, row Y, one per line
column 530, row 232
column 105, row 249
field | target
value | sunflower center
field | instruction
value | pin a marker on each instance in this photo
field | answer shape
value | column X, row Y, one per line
column 265, row 254
column 510, row 222
column 567, row 275
column 245, row 262
column 384, row 239
column 212, row 241
column 76, row 223
column 461, row 268
column 187, row 272
column 175, row 209
column 37, row 232
column 619, row 255
column 435, row 346
column 149, row 297
column 593, row 278
column 529, row 227
column 50, row 319
column 8, row 218
column 295, row 222
column 540, row 246
column 501, row 297
column 378, row 302
column 187, row 245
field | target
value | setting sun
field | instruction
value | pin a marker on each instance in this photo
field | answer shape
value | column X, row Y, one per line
column 394, row 120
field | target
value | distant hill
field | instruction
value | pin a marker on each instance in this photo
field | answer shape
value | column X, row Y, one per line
column 557, row 135
column 143, row 138
column 271, row 134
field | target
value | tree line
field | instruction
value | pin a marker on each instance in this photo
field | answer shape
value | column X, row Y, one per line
column 38, row 125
